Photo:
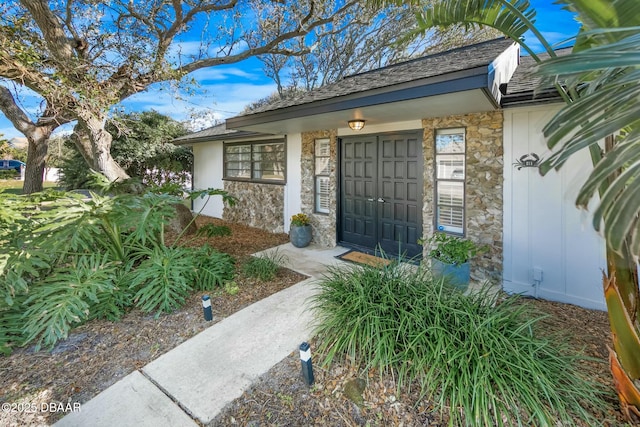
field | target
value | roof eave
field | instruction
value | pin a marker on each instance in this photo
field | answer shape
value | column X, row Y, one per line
column 469, row 79
column 222, row 137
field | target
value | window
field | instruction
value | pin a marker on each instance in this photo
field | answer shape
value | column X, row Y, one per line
column 450, row 178
column 321, row 173
column 255, row 161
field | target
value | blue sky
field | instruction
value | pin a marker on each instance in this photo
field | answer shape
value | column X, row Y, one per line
column 225, row 90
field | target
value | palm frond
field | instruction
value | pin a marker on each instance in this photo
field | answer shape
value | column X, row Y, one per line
column 597, row 14
column 606, row 104
column 511, row 17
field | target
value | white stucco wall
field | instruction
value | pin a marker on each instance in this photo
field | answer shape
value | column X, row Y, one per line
column 207, row 173
column 293, row 189
column 550, row 248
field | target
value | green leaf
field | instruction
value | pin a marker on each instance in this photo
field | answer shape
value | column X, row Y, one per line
column 164, row 280
column 511, row 17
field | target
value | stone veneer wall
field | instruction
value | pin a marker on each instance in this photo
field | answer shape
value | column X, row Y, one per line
column 483, row 188
column 257, row 205
column 324, row 225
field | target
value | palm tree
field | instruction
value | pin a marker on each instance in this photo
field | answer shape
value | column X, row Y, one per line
column 599, row 84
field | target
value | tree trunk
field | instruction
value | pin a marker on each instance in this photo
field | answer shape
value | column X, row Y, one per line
column 36, row 154
column 622, row 294
column 94, row 143
column 38, row 135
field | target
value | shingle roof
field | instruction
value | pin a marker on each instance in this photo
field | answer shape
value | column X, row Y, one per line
column 214, row 133
column 468, row 57
column 523, row 79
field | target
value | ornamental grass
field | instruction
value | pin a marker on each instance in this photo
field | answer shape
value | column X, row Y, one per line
column 478, row 355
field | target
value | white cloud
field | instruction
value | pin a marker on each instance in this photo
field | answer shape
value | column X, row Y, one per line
column 215, row 74
column 225, row 99
column 185, row 48
column 185, row 51
column 8, row 132
column 223, row 90
column 557, row 38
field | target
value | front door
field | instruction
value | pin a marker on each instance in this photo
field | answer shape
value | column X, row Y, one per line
column 381, row 192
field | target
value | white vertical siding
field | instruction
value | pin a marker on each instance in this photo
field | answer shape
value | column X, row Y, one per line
column 545, row 236
column 293, row 189
column 207, row 173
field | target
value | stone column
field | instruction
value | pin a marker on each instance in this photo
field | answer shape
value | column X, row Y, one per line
column 483, row 186
column 324, row 225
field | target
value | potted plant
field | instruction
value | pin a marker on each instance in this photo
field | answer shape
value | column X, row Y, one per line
column 300, row 230
column 450, row 257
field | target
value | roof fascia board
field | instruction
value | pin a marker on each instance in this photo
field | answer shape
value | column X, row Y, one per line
column 473, row 78
column 230, row 138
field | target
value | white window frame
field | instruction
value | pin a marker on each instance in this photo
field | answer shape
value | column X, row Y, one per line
column 450, row 170
column 252, row 159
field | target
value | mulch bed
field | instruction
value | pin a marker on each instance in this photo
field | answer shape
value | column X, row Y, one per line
column 99, row 353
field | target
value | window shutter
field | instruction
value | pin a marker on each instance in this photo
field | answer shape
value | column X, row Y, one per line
column 450, row 178
column 323, row 196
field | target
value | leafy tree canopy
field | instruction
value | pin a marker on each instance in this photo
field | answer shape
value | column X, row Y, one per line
column 373, row 38
column 82, row 58
column 142, row 145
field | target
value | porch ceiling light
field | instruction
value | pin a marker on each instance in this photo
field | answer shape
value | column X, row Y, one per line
column 356, row 124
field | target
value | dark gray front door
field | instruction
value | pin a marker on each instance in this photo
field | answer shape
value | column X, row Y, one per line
column 381, row 192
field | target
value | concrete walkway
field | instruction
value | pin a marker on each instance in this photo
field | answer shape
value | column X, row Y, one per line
column 193, row 382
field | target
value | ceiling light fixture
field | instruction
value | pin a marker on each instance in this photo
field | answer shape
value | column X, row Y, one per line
column 356, row 124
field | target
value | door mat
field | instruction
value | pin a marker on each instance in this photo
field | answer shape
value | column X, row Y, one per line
column 362, row 258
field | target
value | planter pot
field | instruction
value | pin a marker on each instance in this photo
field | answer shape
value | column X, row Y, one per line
column 300, row 235
column 456, row 275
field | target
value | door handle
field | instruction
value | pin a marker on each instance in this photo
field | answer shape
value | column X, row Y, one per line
column 380, row 199
column 371, row 200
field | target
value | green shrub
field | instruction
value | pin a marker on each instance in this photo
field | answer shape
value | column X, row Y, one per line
column 212, row 268
column 11, row 326
column 231, row 288
column 451, row 249
column 264, row 266
column 164, row 279
column 9, row 174
column 477, row 355
column 114, row 303
column 141, row 145
column 62, row 300
column 65, row 259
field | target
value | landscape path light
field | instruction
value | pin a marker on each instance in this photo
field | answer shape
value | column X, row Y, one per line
column 206, row 308
column 305, row 360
